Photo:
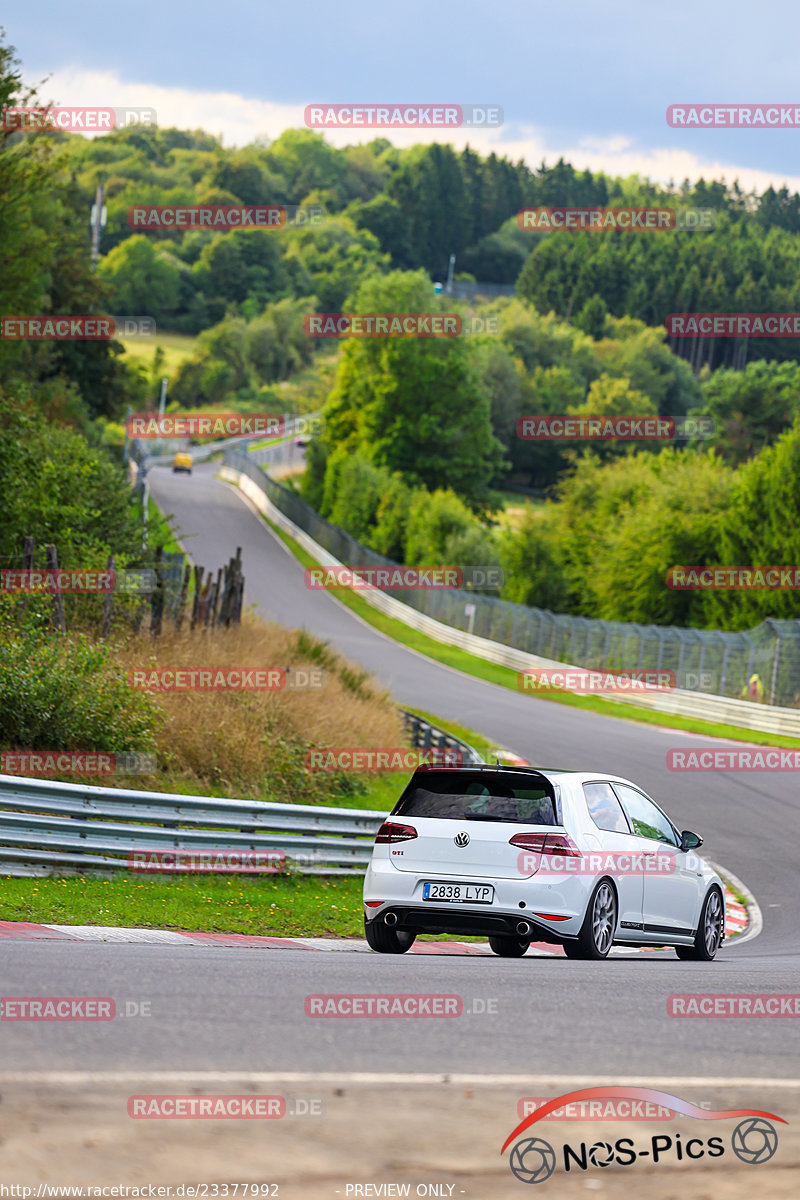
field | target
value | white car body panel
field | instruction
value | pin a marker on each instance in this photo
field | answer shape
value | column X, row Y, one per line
column 670, row 903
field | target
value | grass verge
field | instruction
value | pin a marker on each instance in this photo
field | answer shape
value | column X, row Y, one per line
column 176, row 348
column 470, row 664
column 282, row 906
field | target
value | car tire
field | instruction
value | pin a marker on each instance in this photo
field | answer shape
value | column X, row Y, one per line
column 710, row 927
column 508, row 947
column 599, row 925
column 387, row 941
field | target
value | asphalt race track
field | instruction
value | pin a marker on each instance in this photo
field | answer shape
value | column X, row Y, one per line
column 234, row 1010
column 547, row 1015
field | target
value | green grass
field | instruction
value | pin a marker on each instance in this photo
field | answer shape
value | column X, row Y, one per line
column 269, row 906
column 177, row 348
column 470, row 664
column 272, row 904
column 485, row 747
column 267, row 442
column 516, row 506
column 164, row 535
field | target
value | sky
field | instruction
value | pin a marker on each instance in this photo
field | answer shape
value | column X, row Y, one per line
column 589, row 80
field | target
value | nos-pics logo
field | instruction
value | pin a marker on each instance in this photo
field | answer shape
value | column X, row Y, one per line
column 754, row 1140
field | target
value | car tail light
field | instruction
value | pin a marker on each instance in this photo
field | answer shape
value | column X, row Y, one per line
column 389, row 832
column 552, row 916
column 373, row 903
column 529, row 841
column 546, row 843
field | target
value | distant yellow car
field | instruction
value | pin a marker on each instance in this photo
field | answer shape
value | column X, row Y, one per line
column 182, row 462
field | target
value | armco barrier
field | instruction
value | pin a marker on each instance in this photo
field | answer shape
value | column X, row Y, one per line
column 46, row 825
column 258, row 487
column 428, row 737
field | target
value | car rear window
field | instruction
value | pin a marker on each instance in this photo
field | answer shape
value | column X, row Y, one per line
column 482, row 795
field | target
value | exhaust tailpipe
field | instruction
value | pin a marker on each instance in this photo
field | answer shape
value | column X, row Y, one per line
column 523, row 928
column 390, row 919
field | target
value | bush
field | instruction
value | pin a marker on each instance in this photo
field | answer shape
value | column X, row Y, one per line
column 65, row 693
column 438, row 523
column 55, row 488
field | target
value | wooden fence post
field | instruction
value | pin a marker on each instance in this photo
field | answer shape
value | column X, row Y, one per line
column 108, row 600
column 187, row 570
column 208, row 598
column 157, row 602
column 198, row 593
column 58, row 599
column 27, row 565
column 216, row 597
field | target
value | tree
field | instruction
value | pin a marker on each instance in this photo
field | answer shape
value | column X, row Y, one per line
column 414, row 404
column 751, row 408
column 142, row 278
column 329, row 260
column 592, row 317
column 55, row 488
column 437, row 522
column 761, row 527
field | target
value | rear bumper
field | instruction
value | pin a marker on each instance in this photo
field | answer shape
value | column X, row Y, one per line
column 468, row 922
column 515, row 900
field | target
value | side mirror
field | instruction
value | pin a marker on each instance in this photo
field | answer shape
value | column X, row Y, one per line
column 690, row 841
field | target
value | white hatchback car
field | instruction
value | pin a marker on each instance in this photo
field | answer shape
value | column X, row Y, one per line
column 580, row 859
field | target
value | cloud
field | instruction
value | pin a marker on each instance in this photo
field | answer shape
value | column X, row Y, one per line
column 240, row 120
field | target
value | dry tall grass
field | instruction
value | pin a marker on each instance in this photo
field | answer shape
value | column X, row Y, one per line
column 240, row 743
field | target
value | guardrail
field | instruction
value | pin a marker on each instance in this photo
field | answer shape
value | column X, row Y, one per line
column 430, row 737
column 267, row 494
column 47, row 826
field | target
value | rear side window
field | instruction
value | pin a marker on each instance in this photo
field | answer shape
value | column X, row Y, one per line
column 524, row 799
column 647, row 820
column 604, row 807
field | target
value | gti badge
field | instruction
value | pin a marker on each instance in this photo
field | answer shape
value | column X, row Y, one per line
column 461, row 839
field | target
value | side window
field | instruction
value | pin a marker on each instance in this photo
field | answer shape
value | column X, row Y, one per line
column 604, row 807
column 646, row 820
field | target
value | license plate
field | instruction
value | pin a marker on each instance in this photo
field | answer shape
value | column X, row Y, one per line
column 459, row 893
